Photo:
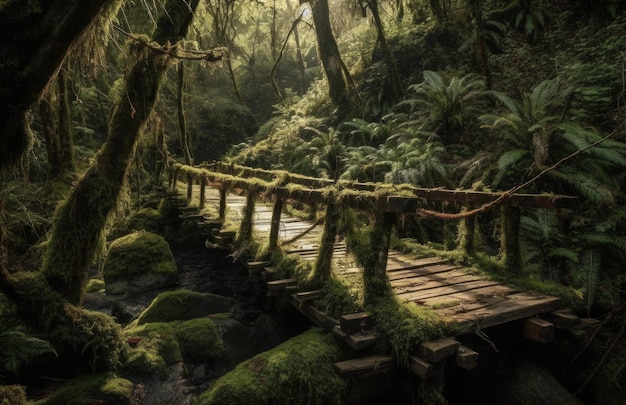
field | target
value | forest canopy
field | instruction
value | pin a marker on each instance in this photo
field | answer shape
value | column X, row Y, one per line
column 97, row 97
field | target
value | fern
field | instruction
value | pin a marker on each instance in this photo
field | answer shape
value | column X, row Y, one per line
column 564, row 253
column 18, row 348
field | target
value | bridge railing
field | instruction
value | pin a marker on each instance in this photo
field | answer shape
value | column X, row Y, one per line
column 385, row 201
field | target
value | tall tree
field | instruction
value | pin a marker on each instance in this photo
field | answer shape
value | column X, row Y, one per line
column 81, row 219
column 329, row 54
column 33, row 55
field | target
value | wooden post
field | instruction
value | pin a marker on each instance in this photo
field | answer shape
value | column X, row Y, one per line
column 189, row 187
column 467, row 239
column 510, row 239
column 322, row 268
column 174, row 178
column 245, row 228
column 376, row 283
column 222, row 202
column 202, row 191
column 275, row 225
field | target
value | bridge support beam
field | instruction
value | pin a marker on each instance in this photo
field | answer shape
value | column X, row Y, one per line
column 510, row 239
column 275, row 224
column 190, row 181
column 202, row 191
column 245, row 228
column 376, row 283
column 468, row 244
column 222, row 202
column 323, row 264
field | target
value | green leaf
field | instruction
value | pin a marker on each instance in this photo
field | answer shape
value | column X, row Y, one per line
column 511, row 157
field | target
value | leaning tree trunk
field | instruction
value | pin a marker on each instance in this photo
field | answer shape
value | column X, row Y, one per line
column 81, row 220
column 42, row 32
column 329, row 54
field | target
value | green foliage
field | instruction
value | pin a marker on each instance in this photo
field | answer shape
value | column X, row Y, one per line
column 86, row 390
column 156, row 349
column 18, row 347
column 138, row 253
column 94, row 285
column 295, row 372
column 199, row 340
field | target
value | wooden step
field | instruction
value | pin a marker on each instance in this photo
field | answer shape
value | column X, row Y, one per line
column 357, row 341
column 369, row 365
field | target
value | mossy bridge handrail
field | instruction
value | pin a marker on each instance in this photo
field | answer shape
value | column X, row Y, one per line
column 385, row 200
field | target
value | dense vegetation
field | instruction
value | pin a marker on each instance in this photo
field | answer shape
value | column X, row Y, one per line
column 470, row 94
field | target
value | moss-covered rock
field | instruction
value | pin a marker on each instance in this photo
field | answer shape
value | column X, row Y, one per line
column 138, row 262
column 12, row 395
column 199, row 340
column 154, row 348
column 104, row 388
column 146, row 219
column 182, row 305
column 94, row 285
column 296, row 372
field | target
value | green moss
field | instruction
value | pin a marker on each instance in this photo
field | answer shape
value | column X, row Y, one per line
column 405, row 325
column 12, row 395
column 94, row 285
column 295, row 372
column 138, row 253
column 146, row 219
column 199, row 340
column 157, row 348
column 171, row 306
column 98, row 388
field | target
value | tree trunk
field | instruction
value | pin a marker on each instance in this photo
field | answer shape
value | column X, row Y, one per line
column 66, row 138
column 329, row 54
column 42, row 32
column 182, row 120
column 50, row 136
column 79, row 224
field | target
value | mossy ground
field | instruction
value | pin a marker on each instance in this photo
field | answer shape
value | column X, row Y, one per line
column 295, row 372
column 170, row 306
column 157, row 348
column 103, row 388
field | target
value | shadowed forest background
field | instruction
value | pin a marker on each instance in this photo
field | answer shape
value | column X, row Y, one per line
column 457, row 94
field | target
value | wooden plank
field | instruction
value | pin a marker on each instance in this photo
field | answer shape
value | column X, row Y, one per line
column 305, row 296
column 424, row 369
column 357, row 341
column 437, row 350
column 538, row 330
column 355, row 323
column 467, row 301
column 365, row 365
column 426, row 283
column 466, row 358
column 518, row 306
column 445, row 290
column 279, row 285
column 394, row 263
column 564, row 319
column 421, row 271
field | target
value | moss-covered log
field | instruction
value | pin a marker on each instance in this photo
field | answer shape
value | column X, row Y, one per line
column 81, row 219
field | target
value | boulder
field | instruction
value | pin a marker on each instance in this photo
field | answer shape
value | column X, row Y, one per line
column 139, row 262
column 182, row 305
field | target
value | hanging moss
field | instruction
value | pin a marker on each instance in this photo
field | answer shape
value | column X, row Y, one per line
column 199, row 340
column 98, row 388
column 156, row 349
column 299, row 371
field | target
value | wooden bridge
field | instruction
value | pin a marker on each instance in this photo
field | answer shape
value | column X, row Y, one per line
column 462, row 296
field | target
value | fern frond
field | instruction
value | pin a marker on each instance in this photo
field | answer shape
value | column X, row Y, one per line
column 564, row 253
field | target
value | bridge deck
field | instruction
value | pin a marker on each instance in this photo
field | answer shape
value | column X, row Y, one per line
column 455, row 293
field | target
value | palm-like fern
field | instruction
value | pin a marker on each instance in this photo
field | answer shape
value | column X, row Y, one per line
column 444, row 108
column 17, row 348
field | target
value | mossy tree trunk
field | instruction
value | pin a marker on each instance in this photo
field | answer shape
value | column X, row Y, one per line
column 66, row 137
column 80, row 221
column 323, row 264
column 182, row 120
column 42, row 32
column 329, row 54
column 50, row 136
column 376, row 285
